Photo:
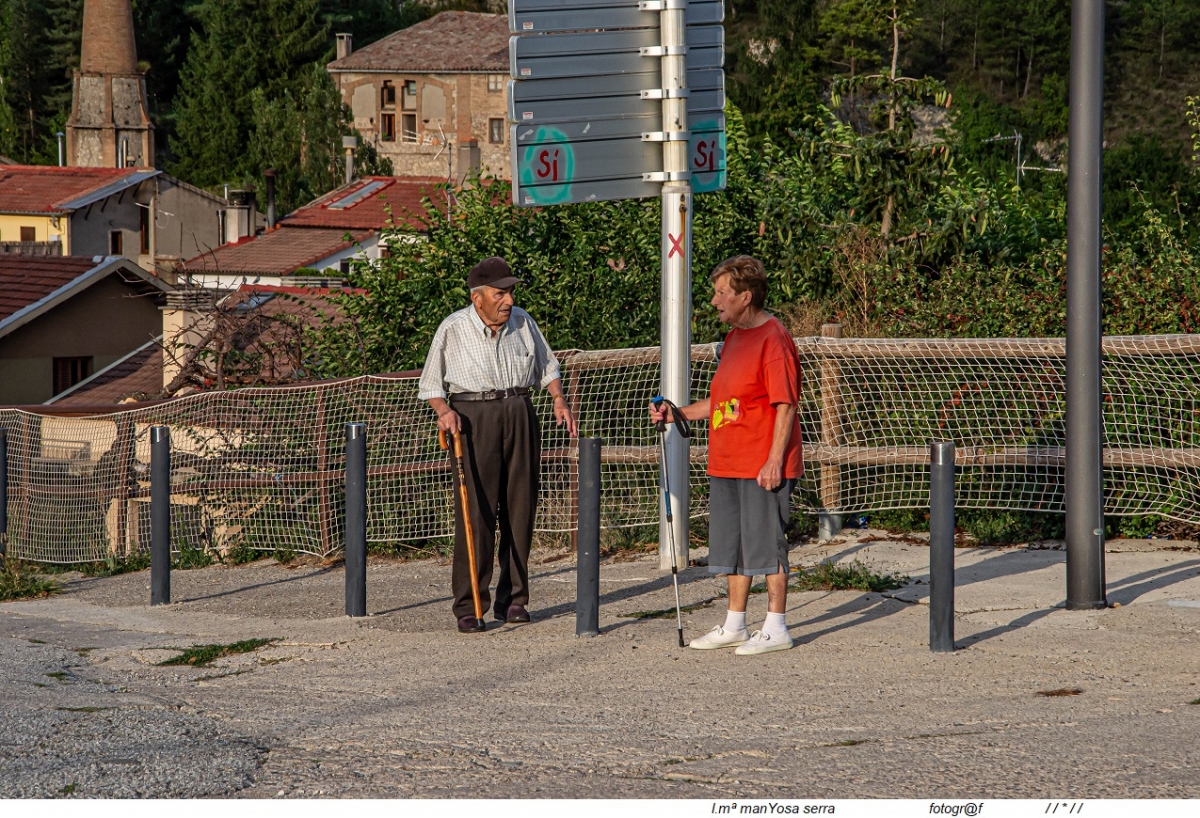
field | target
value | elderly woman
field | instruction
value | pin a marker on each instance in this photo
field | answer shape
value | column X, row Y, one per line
column 753, row 455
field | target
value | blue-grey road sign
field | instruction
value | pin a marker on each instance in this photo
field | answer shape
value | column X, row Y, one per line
column 555, row 166
column 537, row 16
column 596, row 129
column 596, row 53
column 617, row 95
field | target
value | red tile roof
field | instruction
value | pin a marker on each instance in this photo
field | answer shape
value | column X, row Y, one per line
column 43, row 189
column 25, row 280
column 453, row 41
column 364, row 204
column 279, row 252
column 320, row 294
column 137, row 376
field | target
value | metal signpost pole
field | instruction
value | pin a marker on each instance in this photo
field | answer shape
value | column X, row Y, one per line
column 676, row 276
column 1084, row 466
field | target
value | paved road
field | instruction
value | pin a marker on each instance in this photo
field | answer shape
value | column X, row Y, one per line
column 399, row 705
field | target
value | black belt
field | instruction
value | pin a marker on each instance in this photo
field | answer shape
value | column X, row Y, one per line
column 491, row 394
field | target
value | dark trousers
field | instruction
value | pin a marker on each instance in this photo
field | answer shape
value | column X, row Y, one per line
column 502, row 451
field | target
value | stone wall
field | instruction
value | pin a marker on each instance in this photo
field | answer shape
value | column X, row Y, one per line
column 447, row 110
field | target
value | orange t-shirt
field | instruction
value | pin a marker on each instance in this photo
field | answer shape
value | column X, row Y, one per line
column 759, row 368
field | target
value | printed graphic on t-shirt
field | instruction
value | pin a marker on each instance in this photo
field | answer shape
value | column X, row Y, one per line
column 728, row 412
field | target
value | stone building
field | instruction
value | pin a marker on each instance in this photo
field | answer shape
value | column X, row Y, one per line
column 109, row 126
column 431, row 97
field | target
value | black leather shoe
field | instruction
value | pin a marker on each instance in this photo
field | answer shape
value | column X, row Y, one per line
column 516, row 614
column 469, row 624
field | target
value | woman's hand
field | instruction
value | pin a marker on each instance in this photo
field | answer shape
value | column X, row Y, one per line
column 771, row 474
column 661, row 413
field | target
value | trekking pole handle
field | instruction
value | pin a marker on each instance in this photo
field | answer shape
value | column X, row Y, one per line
column 660, row 425
column 681, row 423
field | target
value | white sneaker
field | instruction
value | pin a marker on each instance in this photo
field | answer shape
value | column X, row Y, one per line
column 718, row 637
column 762, row 642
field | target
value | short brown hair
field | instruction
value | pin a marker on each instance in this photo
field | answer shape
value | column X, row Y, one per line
column 745, row 273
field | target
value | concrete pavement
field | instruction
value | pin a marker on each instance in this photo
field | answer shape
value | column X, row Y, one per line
column 400, row 705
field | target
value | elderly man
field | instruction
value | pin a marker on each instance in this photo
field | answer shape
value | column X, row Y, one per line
column 482, row 363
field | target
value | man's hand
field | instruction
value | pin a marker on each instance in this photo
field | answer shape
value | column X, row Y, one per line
column 771, row 474
column 449, row 422
column 564, row 415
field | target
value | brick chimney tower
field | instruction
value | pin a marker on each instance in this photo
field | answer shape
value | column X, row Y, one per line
column 109, row 125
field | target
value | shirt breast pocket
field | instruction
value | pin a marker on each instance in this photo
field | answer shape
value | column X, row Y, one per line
column 523, row 364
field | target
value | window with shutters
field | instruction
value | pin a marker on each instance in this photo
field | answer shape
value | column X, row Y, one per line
column 70, row 371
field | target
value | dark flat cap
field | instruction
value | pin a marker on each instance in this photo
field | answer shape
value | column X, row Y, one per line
column 492, row 272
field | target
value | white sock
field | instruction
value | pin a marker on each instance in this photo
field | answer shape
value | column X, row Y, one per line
column 775, row 626
column 735, row 620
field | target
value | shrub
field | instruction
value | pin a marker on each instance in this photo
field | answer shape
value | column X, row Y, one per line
column 20, row 580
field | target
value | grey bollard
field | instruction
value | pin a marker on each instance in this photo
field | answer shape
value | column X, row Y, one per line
column 160, row 515
column 941, row 547
column 3, row 492
column 587, row 590
column 356, row 519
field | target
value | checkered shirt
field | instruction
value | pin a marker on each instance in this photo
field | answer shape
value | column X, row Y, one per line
column 465, row 357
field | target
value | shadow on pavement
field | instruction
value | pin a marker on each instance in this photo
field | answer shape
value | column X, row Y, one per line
column 1129, row 589
column 257, row 585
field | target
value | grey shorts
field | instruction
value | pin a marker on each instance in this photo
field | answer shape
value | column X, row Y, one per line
column 746, row 525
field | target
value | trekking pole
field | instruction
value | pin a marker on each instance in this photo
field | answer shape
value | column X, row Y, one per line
column 685, row 430
column 464, row 501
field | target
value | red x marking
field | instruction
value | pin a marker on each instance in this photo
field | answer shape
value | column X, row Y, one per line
column 676, row 245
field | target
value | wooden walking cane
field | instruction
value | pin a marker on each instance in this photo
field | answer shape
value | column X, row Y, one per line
column 456, row 456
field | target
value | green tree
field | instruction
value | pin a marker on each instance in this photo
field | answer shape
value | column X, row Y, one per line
column 163, row 30
column 8, row 122
column 302, row 140
column 243, row 47
column 853, row 35
column 370, row 20
column 769, row 63
column 37, row 76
